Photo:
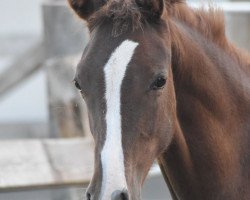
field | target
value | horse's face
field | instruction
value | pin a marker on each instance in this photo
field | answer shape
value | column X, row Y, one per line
column 127, row 84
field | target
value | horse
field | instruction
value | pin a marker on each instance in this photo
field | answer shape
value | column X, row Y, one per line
column 162, row 82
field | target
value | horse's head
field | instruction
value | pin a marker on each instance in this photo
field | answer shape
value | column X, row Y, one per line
column 126, row 80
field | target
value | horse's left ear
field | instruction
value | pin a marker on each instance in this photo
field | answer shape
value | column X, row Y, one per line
column 85, row 8
column 152, row 9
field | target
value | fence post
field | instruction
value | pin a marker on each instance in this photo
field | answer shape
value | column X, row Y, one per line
column 237, row 16
column 63, row 36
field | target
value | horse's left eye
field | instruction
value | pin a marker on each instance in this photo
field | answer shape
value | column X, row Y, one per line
column 77, row 85
column 159, row 83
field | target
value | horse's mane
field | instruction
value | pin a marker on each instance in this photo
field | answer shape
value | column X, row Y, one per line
column 126, row 15
column 209, row 22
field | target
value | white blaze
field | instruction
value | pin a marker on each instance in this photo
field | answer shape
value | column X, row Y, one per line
column 112, row 157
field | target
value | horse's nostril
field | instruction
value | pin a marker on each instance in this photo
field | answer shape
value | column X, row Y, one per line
column 124, row 195
column 88, row 195
column 119, row 195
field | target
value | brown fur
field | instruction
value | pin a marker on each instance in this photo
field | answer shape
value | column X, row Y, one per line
column 123, row 15
column 198, row 125
column 206, row 159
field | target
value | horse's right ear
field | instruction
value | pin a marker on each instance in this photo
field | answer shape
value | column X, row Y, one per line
column 85, row 8
column 152, row 9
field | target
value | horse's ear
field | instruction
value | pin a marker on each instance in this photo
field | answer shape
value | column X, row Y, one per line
column 85, row 8
column 170, row 3
column 175, row 1
column 151, row 8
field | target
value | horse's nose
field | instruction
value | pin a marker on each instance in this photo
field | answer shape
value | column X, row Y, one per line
column 119, row 195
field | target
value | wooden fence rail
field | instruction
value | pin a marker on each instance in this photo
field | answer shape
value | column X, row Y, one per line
column 30, row 164
column 22, row 68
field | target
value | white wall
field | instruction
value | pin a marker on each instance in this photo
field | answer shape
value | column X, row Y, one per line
column 20, row 16
column 27, row 102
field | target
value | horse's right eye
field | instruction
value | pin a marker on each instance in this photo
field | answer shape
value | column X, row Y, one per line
column 77, row 85
column 158, row 83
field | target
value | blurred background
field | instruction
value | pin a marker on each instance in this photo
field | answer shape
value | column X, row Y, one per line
column 45, row 147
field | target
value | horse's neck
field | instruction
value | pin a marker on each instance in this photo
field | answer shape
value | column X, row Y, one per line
column 208, row 155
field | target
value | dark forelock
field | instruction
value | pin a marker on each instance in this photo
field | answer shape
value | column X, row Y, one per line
column 123, row 14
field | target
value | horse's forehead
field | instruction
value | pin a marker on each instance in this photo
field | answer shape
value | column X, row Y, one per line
column 99, row 51
column 118, row 61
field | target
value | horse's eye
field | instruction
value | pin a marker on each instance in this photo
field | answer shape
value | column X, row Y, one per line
column 159, row 83
column 77, row 85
